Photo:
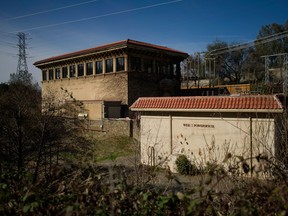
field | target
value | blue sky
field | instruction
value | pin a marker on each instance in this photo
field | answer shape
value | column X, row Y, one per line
column 56, row 27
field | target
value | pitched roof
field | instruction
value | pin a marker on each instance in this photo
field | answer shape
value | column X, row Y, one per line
column 242, row 103
column 119, row 44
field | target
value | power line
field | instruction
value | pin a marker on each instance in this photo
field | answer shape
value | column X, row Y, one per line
column 48, row 11
column 99, row 16
column 7, row 43
column 249, row 43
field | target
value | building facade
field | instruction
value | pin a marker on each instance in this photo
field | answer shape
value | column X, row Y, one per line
column 207, row 129
column 109, row 78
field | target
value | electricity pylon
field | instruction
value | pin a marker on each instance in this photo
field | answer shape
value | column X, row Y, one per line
column 22, row 63
column 22, row 74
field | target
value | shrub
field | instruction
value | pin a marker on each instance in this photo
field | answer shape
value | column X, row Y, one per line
column 185, row 167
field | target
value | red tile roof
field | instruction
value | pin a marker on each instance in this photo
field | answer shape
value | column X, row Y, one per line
column 123, row 43
column 242, row 103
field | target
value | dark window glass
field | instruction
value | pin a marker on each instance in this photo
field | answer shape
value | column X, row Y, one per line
column 89, row 68
column 165, row 69
column 170, row 69
column 51, row 74
column 136, row 64
column 148, row 65
column 109, row 65
column 99, row 67
column 80, row 70
column 44, row 75
column 72, row 71
column 57, row 73
column 120, row 64
column 64, row 72
column 159, row 67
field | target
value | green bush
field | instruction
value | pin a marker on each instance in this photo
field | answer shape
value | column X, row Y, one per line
column 185, row 167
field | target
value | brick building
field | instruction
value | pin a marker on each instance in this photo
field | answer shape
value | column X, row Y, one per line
column 109, row 78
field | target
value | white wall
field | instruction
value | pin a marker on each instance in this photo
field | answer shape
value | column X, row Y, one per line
column 204, row 139
column 155, row 134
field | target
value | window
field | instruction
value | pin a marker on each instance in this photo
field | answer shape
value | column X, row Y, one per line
column 112, row 110
column 89, row 68
column 51, row 74
column 174, row 68
column 148, row 65
column 135, row 64
column 120, row 64
column 109, row 65
column 165, row 69
column 80, row 68
column 72, row 71
column 99, row 67
column 159, row 67
column 169, row 69
column 57, row 73
column 44, row 75
column 64, row 72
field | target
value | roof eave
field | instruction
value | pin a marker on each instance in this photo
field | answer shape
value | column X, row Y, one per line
column 109, row 47
column 209, row 110
column 78, row 54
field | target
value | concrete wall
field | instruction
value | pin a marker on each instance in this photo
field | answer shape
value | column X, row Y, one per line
column 155, row 139
column 108, row 87
column 94, row 110
column 143, row 84
column 101, row 87
column 204, row 139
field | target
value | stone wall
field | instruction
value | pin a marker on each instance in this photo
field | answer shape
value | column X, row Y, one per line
column 116, row 127
column 112, row 127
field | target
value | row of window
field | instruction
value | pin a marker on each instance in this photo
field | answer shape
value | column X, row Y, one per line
column 136, row 64
column 70, row 71
column 152, row 66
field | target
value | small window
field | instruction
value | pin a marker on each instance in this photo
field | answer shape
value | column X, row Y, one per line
column 174, row 68
column 159, row 67
column 44, row 75
column 120, row 64
column 89, row 68
column 72, row 71
column 99, row 67
column 64, row 72
column 109, row 65
column 51, row 74
column 80, row 68
column 135, row 64
column 148, row 65
column 165, row 69
column 57, row 73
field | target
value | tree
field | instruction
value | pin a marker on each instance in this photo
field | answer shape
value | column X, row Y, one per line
column 237, row 64
column 23, row 77
column 263, row 47
column 219, row 59
column 229, row 64
column 271, row 40
column 20, row 104
column 33, row 129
